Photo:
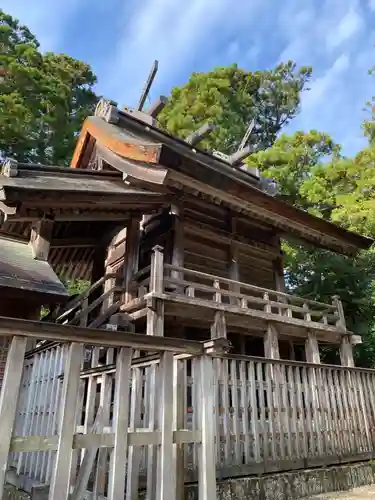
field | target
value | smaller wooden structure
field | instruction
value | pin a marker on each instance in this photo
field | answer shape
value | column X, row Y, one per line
column 27, row 282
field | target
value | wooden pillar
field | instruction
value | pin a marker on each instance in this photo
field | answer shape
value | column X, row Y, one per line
column 271, row 343
column 178, row 239
column 233, row 266
column 312, row 348
column 98, row 263
column 40, row 239
column 278, row 272
column 131, row 257
column 271, row 338
column 346, row 346
column 155, row 314
column 346, row 351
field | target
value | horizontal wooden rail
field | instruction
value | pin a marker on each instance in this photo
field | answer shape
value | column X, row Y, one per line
column 105, row 440
column 249, row 298
column 74, row 304
column 92, row 336
column 199, row 274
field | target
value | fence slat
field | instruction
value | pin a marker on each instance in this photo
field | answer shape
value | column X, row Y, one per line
column 9, row 399
column 60, row 483
column 166, row 486
column 116, row 483
column 207, row 472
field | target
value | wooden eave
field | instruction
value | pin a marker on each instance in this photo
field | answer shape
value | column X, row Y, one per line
column 63, row 189
column 289, row 220
column 181, row 166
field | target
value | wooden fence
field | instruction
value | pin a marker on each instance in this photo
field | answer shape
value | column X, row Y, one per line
column 55, row 430
column 263, row 415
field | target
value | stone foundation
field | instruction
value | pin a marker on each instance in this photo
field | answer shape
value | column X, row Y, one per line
column 294, row 485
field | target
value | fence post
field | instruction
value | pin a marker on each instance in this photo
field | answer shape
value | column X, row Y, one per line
column 9, row 400
column 166, row 476
column 207, row 459
column 60, row 482
column 120, row 425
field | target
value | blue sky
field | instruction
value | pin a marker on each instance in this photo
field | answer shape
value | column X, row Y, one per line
column 120, row 39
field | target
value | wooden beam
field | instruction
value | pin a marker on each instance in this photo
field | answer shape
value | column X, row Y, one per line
column 131, row 256
column 93, row 336
column 40, row 239
column 73, row 242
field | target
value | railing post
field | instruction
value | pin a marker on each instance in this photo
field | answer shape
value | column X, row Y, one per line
column 218, row 328
column 180, row 391
column 155, row 314
column 271, row 337
column 9, row 400
column 206, row 408
column 346, row 347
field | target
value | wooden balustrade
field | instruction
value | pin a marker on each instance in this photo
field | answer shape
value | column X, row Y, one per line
column 215, row 289
column 78, row 310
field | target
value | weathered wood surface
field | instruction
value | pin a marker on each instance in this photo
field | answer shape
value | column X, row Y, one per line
column 266, row 415
column 179, row 290
column 54, row 423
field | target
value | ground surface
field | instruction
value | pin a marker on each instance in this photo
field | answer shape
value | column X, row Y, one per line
column 364, row 493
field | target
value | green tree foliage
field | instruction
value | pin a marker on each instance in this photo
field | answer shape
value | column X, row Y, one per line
column 310, row 169
column 43, row 97
column 348, row 186
column 313, row 175
column 290, row 161
column 231, row 98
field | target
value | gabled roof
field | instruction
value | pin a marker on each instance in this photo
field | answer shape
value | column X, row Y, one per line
column 19, row 270
column 151, row 158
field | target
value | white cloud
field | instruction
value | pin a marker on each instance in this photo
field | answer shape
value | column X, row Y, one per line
column 329, row 35
column 44, row 19
column 160, row 29
column 350, row 24
column 322, row 86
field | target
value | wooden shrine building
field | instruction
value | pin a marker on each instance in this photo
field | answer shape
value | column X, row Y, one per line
column 184, row 358
column 215, row 231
